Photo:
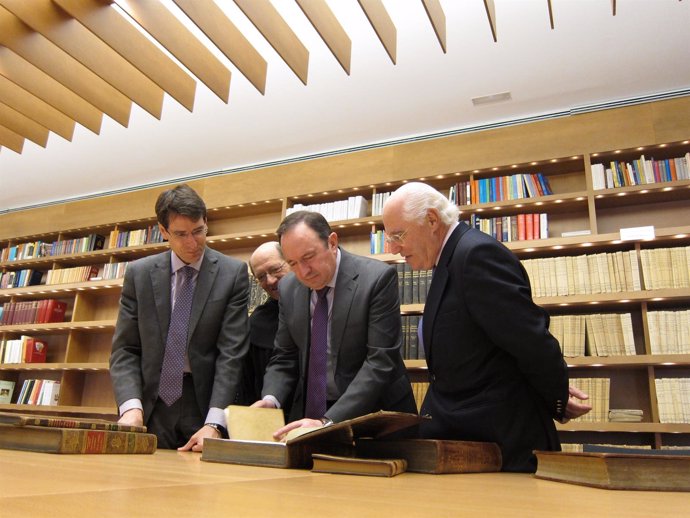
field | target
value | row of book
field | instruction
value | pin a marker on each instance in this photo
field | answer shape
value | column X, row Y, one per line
column 669, row 332
column 39, row 392
column 519, row 227
column 598, row 390
column 352, row 208
column 500, row 188
column 597, row 334
column 378, row 243
column 666, row 267
column 111, row 271
column 35, row 249
column 413, row 285
column 584, row 274
column 25, row 349
column 377, row 202
column 640, row 172
column 411, row 347
column 143, row 236
column 42, row 311
column 673, row 398
column 71, row 275
column 30, row 277
column 21, row 278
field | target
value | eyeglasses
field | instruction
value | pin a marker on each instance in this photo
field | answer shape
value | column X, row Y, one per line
column 397, row 238
column 273, row 271
column 197, row 233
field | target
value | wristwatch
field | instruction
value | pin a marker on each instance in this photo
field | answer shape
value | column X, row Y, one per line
column 218, row 428
column 326, row 421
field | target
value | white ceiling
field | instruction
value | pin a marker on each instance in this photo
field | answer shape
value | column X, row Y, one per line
column 591, row 57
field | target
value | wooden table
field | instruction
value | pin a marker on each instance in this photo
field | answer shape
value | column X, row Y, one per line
column 168, row 484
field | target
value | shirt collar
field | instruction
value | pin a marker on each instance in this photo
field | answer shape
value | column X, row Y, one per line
column 176, row 263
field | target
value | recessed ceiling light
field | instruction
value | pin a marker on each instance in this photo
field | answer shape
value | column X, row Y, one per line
column 493, row 98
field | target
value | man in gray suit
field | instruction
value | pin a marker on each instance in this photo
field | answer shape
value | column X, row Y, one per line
column 364, row 368
column 205, row 374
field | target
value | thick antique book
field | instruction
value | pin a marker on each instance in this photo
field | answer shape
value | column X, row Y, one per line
column 616, row 470
column 10, row 418
column 48, row 439
column 297, row 450
column 435, row 455
column 357, row 466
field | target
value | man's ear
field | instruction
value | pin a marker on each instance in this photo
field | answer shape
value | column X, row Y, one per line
column 333, row 240
column 433, row 218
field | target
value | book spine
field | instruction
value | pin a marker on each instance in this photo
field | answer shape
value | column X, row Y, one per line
column 101, row 441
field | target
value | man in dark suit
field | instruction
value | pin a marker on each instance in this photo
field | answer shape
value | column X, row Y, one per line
column 203, row 376
column 496, row 373
column 365, row 371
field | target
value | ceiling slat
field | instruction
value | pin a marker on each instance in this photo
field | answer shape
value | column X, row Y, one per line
column 228, row 38
column 124, row 38
column 550, row 7
column 22, row 125
column 330, row 30
column 38, row 83
column 383, row 25
column 438, row 20
column 278, row 33
column 48, row 19
column 65, row 69
column 491, row 15
column 11, row 140
column 160, row 23
column 37, row 110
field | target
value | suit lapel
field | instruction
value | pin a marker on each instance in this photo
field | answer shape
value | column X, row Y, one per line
column 160, row 283
column 438, row 286
column 204, row 283
column 301, row 311
column 345, row 289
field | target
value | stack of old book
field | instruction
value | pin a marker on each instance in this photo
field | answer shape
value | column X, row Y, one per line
column 365, row 445
column 50, row 434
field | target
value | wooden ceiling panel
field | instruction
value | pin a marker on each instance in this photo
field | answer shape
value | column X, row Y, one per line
column 37, row 110
column 330, row 30
column 11, row 140
column 22, row 125
column 383, row 25
column 438, row 20
column 162, row 25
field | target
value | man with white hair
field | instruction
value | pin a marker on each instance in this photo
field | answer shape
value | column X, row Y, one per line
column 496, row 373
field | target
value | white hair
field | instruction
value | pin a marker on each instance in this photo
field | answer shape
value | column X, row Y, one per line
column 418, row 197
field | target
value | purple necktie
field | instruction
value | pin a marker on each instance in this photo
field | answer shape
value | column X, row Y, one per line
column 170, row 388
column 316, row 380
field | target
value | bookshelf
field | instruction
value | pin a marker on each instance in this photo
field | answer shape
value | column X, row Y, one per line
column 245, row 209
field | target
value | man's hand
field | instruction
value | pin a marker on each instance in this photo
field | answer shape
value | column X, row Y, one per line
column 263, row 403
column 196, row 442
column 574, row 408
column 132, row 417
column 302, row 423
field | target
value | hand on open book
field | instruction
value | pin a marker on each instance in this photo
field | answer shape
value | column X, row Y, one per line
column 280, row 434
column 196, row 442
column 574, row 408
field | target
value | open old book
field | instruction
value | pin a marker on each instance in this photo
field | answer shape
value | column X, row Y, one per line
column 297, row 449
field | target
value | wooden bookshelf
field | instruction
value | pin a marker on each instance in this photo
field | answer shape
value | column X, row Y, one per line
column 245, row 209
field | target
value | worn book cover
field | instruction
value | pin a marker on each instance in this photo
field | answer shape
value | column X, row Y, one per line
column 357, row 466
column 48, row 439
column 10, row 418
column 435, row 456
column 252, row 423
column 616, row 470
column 297, row 450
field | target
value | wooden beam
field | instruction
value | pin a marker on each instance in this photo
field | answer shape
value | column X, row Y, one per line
column 437, row 17
column 11, row 140
column 23, row 126
column 123, row 37
column 330, row 30
column 62, row 67
column 383, row 25
column 37, row 110
column 160, row 23
column 278, row 33
column 548, row 3
column 40, row 84
column 491, row 15
column 46, row 18
column 613, row 7
column 228, row 38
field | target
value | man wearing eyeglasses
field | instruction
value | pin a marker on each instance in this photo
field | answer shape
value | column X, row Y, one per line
column 495, row 372
column 268, row 266
column 181, row 332
column 355, row 302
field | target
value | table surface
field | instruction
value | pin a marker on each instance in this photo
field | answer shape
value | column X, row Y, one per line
column 170, row 483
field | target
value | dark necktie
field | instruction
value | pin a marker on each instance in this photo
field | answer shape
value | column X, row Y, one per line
column 170, row 388
column 316, row 379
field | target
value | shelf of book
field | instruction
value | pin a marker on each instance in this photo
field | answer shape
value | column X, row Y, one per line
column 60, row 327
column 63, row 410
column 64, row 366
column 631, row 361
column 593, row 426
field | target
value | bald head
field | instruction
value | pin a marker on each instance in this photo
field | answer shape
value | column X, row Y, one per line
column 268, row 267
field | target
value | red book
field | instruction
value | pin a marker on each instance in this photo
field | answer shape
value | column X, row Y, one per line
column 55, row 311
column 529, row 228
column 35, row 350
column 521, row 226
column 535, row 226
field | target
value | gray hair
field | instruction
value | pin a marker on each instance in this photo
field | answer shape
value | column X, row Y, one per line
column 419, row 197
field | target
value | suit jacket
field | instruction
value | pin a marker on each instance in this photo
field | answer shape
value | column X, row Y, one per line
column 496, row 373
column 218, row 330
column 365, row 342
